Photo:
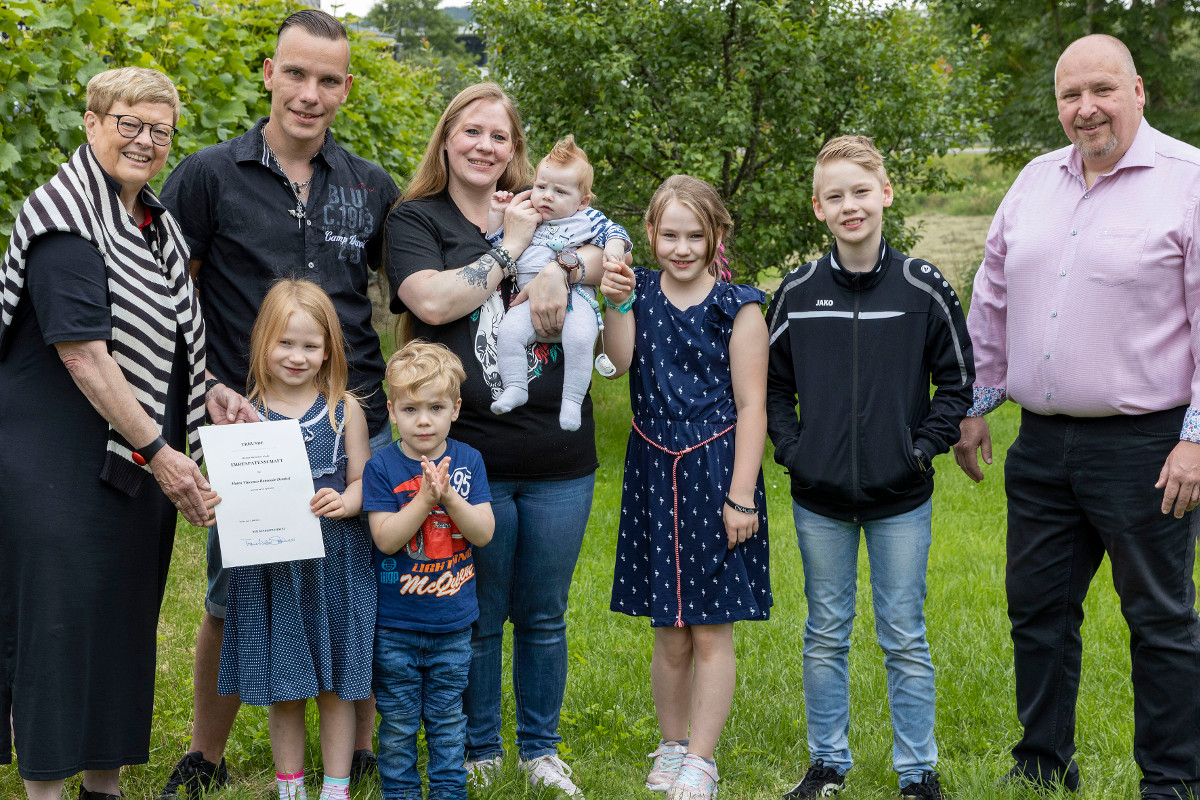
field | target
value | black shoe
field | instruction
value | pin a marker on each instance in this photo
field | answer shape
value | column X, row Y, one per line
column 84, row 794
column 195, row 777
column 362, row 765
column 928, row 786
column 819, row 781
column 1039, row 782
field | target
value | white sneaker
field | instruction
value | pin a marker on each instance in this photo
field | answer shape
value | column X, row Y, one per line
column 482, row 771
column 550, row 770
column 668, row 758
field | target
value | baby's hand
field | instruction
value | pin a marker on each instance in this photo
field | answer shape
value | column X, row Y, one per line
column 328, row 503
column 615, row 249
column 500, row 201
column 618, row 281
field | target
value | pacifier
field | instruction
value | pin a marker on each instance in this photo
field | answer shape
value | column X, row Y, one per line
column 604, row 366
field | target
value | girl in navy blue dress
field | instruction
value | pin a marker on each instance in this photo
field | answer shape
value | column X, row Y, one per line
column 301, row 629
column 692, row 548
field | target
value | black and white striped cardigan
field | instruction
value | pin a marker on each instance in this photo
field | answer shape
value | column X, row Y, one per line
column 149, row 289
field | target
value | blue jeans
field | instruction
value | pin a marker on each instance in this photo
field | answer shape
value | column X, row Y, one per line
column 218, row 577
column 898, row 552
column 524, row 574
column 419, row 677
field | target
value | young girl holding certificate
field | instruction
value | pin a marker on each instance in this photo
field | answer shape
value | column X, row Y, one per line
column 301, row 629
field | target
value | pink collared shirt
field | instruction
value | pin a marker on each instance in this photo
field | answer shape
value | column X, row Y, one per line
column 1088, row 300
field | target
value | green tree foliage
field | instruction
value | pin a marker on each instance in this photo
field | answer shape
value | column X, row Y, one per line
column 213, row 53
column 416, row 23
column 425, row 37
column 1027, row 37
column 742, row 93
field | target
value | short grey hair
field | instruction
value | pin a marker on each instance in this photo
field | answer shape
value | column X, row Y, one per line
column 131, row 85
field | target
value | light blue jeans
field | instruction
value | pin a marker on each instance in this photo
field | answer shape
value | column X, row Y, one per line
column 524, row 574
column 898, row 553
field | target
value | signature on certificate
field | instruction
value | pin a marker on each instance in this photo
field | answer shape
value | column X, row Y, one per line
column 267, row 541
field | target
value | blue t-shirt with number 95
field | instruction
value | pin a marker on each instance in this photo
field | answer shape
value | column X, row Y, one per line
column 428, row 584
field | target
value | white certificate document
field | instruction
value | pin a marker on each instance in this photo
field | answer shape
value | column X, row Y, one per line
column 261, row 472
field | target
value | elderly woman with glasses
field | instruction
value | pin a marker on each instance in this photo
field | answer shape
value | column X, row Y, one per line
column 101, row 390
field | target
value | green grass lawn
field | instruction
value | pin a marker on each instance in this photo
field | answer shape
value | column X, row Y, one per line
column 608, row 722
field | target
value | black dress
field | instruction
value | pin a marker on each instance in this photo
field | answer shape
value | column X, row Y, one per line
column 82, row 565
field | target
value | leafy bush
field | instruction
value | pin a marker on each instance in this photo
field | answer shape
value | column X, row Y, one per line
column 741, row 93
column 212, row 51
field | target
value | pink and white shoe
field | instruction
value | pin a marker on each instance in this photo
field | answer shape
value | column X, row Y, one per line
column 697, row 780
column 668, row 758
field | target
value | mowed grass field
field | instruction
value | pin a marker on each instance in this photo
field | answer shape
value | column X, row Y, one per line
column 608, row 722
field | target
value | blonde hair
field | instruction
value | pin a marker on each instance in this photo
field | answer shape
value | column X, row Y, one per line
column 858, row 150
column 286, row 297
column 433, row 174
column 421, row 363
column 702, row 200
column 566, row 153
column 131, row 85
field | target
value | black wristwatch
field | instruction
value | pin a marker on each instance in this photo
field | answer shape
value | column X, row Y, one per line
column 922, row 461
column 142, row 455
column 569, row 261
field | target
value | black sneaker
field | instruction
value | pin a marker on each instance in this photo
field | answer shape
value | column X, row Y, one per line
column 1020, row 776
column 362, row 765
column 84, row 794
column 195, row 777
column 819, row 781
column 928, row 786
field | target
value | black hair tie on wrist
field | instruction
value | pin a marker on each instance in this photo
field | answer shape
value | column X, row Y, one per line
column 729, row 502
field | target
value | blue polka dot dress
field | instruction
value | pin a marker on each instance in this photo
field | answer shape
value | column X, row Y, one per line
column 682, row 396
column 297, row 628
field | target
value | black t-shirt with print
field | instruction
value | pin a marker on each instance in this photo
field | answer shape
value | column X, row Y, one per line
column 526, row 443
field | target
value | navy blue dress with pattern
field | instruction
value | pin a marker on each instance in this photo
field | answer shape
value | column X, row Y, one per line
column 297, row 628
column 681, row 391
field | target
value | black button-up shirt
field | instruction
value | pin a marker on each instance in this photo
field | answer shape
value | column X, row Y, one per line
column 239, row 216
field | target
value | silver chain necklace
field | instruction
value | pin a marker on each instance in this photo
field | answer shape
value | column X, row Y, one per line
column 298, row 189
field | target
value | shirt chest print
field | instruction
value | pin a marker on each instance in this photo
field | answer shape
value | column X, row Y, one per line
column 348, row 221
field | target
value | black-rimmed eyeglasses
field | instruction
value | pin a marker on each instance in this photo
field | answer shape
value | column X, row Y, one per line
column 130, row 127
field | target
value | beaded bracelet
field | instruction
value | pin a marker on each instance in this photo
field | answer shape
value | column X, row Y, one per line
column 506, row 261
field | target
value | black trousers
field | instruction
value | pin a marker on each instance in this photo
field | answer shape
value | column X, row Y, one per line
column 1079, row 488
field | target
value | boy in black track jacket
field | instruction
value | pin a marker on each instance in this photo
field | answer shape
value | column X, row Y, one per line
column 856, row 339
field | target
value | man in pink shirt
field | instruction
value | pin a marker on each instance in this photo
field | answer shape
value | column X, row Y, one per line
column 1086, row 312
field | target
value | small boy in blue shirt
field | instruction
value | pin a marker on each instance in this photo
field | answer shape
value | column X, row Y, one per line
column 428, row 502
column 856, row 338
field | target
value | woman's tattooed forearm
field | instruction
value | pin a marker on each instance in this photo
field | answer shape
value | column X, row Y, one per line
column 477, row 274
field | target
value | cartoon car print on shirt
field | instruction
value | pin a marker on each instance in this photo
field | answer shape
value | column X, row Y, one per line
column 439, row 537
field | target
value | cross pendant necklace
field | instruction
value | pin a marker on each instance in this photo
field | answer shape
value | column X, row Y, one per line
column 298, row 189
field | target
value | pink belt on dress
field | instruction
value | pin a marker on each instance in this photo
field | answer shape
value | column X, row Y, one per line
column 678, row 454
